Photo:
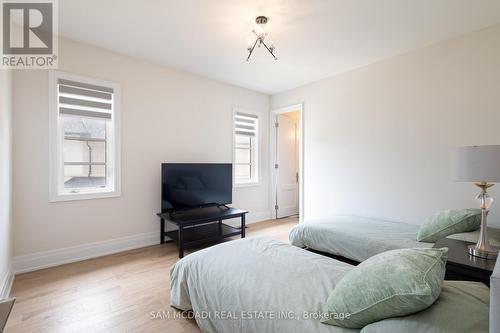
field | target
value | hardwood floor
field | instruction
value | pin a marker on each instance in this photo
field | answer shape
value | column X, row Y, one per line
column 115, row 293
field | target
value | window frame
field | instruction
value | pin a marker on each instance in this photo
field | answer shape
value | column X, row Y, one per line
column 56, row 140
column 254, row 153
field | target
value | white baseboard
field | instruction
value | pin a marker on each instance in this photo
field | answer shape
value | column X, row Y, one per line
column 40, row 260
column 288, row 211
column 251, row 218
column 6, row 283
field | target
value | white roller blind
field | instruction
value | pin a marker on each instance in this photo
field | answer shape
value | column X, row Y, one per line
column 245, row 124
column 84, row 100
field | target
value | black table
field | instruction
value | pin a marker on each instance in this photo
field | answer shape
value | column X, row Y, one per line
column 201, row 225
column 462, row 266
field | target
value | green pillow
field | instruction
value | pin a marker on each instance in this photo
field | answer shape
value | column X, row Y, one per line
column 449, row 222
column 390, row 284
column 463, row 306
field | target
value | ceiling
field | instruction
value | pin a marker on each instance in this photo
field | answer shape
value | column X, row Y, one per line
column 314, row 38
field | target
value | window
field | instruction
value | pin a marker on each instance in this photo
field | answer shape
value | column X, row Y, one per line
column 245, row 148
column 84, row 138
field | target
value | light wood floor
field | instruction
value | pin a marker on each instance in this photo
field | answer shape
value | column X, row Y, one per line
column 115, row 293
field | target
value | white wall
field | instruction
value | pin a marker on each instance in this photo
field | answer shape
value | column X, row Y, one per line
column 6, row 229
column 378, row 139
column 167, row 116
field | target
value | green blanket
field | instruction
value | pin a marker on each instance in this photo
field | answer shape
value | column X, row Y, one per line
column 355, row 238
column 261, row 285
column 260, row 277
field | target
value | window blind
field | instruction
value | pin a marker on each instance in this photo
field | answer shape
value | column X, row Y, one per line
column 245, row 124
column 85, row 100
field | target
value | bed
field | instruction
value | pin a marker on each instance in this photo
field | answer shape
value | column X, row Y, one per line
column 358, row 238
column 261, row 285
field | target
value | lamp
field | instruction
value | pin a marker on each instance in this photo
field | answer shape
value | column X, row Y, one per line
column 479, row 165
column 260, row 35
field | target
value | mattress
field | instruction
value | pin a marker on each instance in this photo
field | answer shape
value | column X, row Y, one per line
column 256, row 276
column 356, row 238
column 359, row 238
column 261, row 285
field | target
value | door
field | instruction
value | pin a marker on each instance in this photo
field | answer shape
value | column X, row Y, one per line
column 287, row 160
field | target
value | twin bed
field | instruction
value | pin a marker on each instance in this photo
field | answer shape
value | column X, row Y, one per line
column 261, row 285
column 359, row 238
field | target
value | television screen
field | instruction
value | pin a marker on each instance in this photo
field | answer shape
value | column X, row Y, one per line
column 186, row 185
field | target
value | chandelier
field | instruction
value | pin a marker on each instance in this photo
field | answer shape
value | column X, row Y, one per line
column 260, row 38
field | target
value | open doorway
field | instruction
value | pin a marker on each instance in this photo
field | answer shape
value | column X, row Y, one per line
column 287, row 161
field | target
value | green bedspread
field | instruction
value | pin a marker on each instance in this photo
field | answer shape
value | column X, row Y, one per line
column 355, row 238
column 261, row 285
column 359, row 238
column 256, row 274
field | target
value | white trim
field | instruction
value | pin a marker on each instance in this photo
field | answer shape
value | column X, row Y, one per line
column 55, row 144
column 258, row 154
column 46, row 259
column 6, row 283
column 272, row 154
column 40, row 260
column 251, row 218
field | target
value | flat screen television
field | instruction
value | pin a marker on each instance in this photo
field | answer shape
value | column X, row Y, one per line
column 189, row 185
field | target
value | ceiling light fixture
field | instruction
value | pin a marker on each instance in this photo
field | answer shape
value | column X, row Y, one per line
column 261, row 36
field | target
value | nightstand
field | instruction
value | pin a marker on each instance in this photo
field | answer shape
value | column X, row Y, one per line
column 462, row 266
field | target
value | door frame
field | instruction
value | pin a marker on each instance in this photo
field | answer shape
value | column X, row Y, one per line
column 274, row 150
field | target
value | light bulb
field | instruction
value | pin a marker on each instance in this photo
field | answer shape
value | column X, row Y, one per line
column 259, row 30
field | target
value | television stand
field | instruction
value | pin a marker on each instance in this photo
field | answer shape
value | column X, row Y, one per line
column 200, row 225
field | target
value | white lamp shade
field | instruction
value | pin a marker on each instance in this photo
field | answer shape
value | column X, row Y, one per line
column 477, row 164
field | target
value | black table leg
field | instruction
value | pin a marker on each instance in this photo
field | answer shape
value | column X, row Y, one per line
column 181, row 241
column 242, row 225
column 220, row 227
column 162, row 231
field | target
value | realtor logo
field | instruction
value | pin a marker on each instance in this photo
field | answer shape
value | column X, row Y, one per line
column 29, row 34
